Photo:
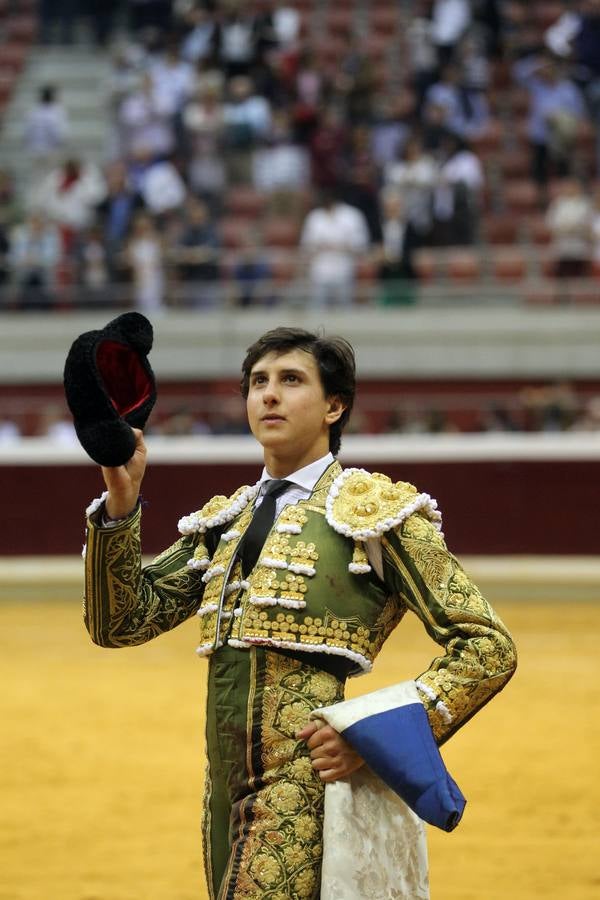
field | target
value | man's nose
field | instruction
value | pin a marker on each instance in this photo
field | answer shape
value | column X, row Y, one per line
column 270, row 393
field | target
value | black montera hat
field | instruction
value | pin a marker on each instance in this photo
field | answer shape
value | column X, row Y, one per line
column 110, row 387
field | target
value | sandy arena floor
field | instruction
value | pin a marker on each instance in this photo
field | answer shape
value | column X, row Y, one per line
column 101, row 762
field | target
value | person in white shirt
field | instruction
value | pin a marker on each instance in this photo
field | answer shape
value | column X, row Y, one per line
column 333, row 237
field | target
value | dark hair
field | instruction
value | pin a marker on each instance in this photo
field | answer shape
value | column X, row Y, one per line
column 335, row 361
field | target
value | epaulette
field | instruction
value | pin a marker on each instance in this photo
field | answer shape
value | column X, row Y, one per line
column 362, row 505
column 218, row 510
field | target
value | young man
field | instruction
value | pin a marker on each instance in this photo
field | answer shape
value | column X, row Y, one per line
column 284, row 624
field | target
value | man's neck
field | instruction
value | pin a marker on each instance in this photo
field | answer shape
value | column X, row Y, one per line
column 281, row 466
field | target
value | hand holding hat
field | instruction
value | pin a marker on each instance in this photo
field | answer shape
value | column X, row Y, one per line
column 110, row 387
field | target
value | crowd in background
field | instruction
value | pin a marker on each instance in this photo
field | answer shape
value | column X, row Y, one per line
column 249, row 163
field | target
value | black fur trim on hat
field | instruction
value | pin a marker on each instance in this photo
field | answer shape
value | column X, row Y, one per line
column 110, row 387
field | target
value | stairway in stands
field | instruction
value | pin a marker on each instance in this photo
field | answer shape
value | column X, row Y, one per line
column 82, row 76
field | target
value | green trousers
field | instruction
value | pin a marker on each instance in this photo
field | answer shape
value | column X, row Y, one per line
column 264, row 802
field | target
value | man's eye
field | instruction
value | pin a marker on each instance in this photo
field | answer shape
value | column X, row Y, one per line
column 290, row 378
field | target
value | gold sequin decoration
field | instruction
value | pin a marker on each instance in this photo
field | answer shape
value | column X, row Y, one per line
column 365, row 502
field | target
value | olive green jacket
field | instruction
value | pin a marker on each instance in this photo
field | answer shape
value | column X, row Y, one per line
column 313, row 589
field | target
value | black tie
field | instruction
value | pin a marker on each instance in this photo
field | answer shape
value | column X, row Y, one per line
column 259, row 527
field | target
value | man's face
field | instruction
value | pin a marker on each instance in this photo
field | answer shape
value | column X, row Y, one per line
column 288, row 412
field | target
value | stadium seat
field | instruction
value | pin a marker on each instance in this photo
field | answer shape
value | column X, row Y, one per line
column 426, row 264
column 245, row 201
column 21, row 29
column 463, row 265
column 281, row 232
column 521, row 195
column 384, row 19
column 509, row 265
column 500, row 229
column 537, row 230
column 233, row 232
column 515, row 163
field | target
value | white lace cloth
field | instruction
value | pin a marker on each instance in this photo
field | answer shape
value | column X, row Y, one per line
column 374, row 845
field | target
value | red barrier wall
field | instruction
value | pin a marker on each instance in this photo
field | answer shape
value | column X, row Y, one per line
column 529, row 507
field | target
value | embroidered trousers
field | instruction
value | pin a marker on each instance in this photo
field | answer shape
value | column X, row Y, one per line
column 264, row 802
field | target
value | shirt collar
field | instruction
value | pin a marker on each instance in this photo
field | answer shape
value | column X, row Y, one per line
column 306, row 477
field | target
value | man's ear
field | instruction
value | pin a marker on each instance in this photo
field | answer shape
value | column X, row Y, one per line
column 336, row 408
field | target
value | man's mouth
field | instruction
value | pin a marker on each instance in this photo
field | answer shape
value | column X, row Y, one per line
column 272, row 418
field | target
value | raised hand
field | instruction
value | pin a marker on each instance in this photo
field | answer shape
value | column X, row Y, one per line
column 123, row 482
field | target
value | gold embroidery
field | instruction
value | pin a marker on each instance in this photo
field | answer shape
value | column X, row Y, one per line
column 281, row 856
column 367, row 500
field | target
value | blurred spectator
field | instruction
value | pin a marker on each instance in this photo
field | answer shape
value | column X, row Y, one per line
column 181, row 423
column 576, row 36
column 449, row 22
column 161, row 187
column 102, row 20
column 280, row 166
column 10, row 206
column 334, row 235
column 550, row 408
column 498, row 418
column 94, row 273
column 595, row 229
column 252, row 275
column 589, row 420
column 423, row 59
column 457, row 195
column 115, row 211
column 361, row 181
column 146, row 121
column 396, row 270
column 155, row 15
column 9, row 431
column 46, row 128
column 172, row 78
column 203, row 121
column 56, row 425
column 236, row 38
column 34, row 254
column 231, row 417
column 247, row 120
column 466, row 111
column 57, row 19
column 556, row 108
column 144, row 255
column 70, row 194
column 391, row 126
column 569, row 219
column 415, row 175
column 196, row 256
column 327, row 147
column 197, row 43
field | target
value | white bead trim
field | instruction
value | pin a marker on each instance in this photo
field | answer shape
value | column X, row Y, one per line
column 302, row 569
column 359, row 568
column 444, row 712
column 241, row 645
column 236, row 586
column 96, row 504
column 422, row 501
column 278, row 601
column 358, row 658
column 212, row 573
column 209, row 608
column 84, row 551
column 428, row 691
column 205, row 649
column 196, row 522
column 270, row 562
column 203, row 563
column 231, row 535
column 292, row 528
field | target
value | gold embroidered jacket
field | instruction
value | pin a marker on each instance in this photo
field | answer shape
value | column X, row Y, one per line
column 313, row 588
